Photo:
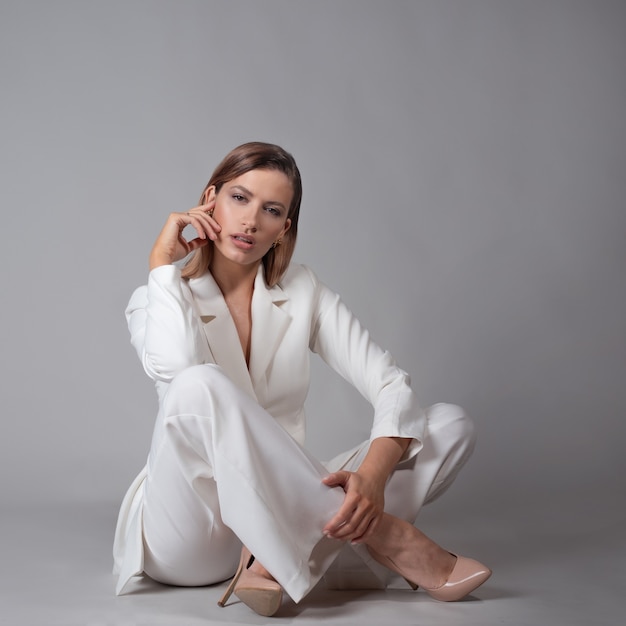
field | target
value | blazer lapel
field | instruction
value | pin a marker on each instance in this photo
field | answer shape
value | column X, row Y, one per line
column 270, row 320
column 220, row 331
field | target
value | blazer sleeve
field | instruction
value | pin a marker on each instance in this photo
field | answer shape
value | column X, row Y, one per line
column 342, row 342
column 164, row 328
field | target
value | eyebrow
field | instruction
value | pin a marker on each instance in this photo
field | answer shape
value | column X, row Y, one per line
column 247, row 191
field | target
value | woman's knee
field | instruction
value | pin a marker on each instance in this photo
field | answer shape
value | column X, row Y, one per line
column 189, row 388
column 452, row 422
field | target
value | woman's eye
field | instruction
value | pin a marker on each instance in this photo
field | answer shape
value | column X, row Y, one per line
column 238, row 197
column 273, row 210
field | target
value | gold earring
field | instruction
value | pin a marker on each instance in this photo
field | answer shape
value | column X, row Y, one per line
column 210, row 212
column 277, row 243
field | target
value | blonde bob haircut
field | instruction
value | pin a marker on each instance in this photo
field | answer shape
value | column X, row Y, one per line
column 255, row 156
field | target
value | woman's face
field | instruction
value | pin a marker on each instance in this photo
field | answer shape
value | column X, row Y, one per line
column 252, row 211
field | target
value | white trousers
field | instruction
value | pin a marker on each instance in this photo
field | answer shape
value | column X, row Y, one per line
column 222, row 472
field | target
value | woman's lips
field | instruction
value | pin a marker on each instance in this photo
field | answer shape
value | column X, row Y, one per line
column 243, row 241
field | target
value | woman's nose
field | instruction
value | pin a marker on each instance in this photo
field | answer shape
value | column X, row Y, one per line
column 249, row 219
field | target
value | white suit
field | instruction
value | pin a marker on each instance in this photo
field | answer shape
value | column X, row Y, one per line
column 221, row 471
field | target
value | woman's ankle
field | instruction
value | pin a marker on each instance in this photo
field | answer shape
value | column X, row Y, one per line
column 393, row 535
column 409, row 552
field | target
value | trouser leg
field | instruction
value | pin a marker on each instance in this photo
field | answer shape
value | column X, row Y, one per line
column 225, row 472
column 448, row 443
column 186, row 541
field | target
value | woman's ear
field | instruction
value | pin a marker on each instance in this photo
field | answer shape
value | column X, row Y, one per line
column 208, row 195
column 286, row 227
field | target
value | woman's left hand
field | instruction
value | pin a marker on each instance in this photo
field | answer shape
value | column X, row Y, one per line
column 362, row 507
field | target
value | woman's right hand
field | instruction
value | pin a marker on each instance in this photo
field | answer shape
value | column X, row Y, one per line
column 171, row 246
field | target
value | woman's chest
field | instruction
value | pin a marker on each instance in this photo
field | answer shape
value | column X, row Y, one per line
column 241, row 314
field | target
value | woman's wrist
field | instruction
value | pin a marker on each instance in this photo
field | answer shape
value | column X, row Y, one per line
column 381, row 459
column 158, row 258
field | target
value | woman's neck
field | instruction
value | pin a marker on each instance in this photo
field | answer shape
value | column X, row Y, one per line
column 232, row 277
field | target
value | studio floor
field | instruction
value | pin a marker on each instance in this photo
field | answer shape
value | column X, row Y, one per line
column 56, row 570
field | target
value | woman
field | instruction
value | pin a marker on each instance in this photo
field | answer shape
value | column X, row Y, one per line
column 227, row 342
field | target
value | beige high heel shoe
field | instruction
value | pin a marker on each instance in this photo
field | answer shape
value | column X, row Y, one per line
column 262, row 595
column 466, row 576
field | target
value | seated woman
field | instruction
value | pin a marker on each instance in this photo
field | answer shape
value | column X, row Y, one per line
column 227, row 341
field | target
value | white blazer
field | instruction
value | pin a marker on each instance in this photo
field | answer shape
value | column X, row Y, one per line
column 176, row 323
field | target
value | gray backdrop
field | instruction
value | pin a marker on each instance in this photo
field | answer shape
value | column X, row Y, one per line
column 463, row 166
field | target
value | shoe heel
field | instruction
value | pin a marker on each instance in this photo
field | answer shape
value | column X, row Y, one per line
column 262, row 595
column 244, row 562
